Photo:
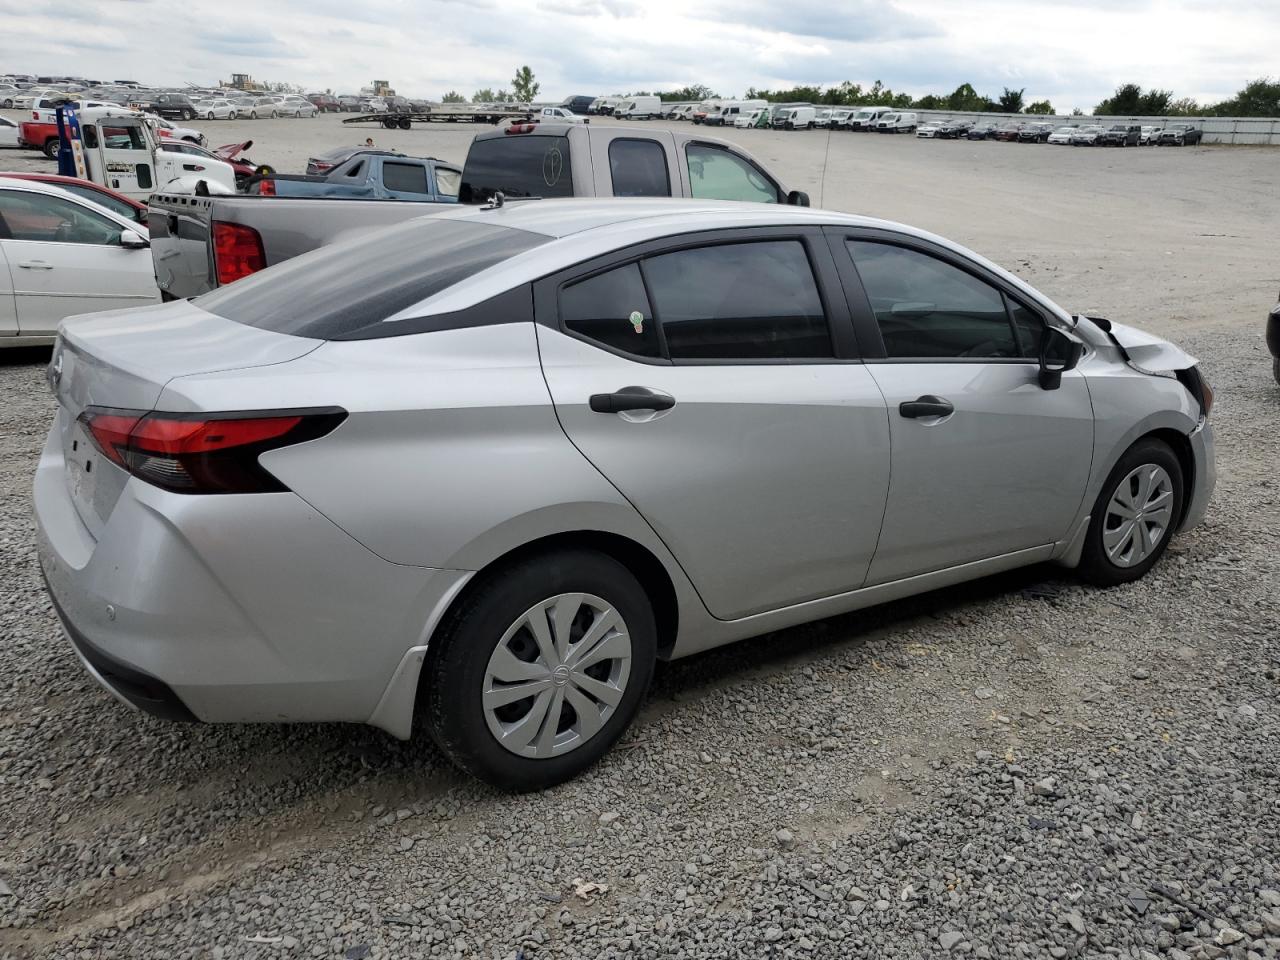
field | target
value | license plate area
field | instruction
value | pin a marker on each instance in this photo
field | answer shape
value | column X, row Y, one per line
column 84, row 466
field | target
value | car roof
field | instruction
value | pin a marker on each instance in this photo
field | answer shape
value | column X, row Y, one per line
column 52, row 189
column 582, row 228
column 58, row 179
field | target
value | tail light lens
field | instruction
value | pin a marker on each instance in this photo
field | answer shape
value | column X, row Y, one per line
column 200, row 453
column 266, row 188
column 322, row 167
column 237, row 251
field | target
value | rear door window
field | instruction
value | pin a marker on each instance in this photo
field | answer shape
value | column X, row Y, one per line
column 519, row 165
column 639, row 169
column 405, row 177
column 612, row 309
column 719, row 174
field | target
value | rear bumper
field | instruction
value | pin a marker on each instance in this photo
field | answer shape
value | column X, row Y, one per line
column 229, row 608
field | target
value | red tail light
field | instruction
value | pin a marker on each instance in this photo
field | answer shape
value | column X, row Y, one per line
column 237, row 251
column 521, row 128
column 200, row 453
column 266, row 188
column 322, row 167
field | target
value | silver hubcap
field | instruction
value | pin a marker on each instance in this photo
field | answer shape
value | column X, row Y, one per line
column 557, row 675
column 1138, row 515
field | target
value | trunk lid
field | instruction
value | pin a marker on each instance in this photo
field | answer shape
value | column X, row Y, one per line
column 123, row 359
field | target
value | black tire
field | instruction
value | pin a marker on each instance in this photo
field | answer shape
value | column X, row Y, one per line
column 1275, row 368
column 188, row 115
column 51, row 149
column 1095, row 566
column 404, row 123
column 450, row 692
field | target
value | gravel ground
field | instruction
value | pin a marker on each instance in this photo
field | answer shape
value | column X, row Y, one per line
column 1019, row 767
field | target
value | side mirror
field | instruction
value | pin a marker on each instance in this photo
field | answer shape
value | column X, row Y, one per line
column 132, row 240
column 797, row 198
column 1058, row 354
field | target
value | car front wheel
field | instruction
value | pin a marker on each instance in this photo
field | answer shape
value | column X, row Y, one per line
column 540, row 670
column 1135, row 515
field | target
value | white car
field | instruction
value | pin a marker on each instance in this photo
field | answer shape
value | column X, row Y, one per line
column 7, row 93
column 167, row 130
column 218, row 110
column 65, row 255
column 8, row 133
column 929, row 130
column 1149, row 136
column 559, row 115
column 296, row 106
column 1062, row 135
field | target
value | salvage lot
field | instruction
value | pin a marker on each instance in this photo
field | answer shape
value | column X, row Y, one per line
column 1016, row 767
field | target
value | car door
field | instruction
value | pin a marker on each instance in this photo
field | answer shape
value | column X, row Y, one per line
column 985, row 462
column 713, row 380
column 66, row 258
column 8, row 306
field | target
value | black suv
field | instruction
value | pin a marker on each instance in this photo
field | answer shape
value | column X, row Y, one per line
column 1179, row 135
column 171, row 106
column 1120, row 135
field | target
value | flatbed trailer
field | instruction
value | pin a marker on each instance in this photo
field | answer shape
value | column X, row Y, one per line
column 404, row 121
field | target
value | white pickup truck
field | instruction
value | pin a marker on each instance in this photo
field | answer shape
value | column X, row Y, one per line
column 201, row 242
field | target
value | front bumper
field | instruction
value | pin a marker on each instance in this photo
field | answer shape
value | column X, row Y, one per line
column 229, row 608
column 1206, row 474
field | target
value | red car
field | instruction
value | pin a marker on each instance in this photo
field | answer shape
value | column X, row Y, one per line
column 229, row 153
column 37, row 135
column 88, row 190
column 1007, row 131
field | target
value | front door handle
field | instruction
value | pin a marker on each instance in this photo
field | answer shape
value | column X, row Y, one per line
column 631, row 398
column 35, row 265
column 926, row 406
column 193, row 167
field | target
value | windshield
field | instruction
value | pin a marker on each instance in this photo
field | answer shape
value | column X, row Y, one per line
column 313, row 295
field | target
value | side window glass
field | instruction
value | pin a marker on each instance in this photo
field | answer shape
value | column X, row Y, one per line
column 404, row 177
column 639, row 169
column 717, row 174
column 926, row 308
column 448, row 180
column 612, row 308
column 755, row 300
column 35, row 216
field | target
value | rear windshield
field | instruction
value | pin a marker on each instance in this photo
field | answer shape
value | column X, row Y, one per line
column 519, row 165
column 338, row 289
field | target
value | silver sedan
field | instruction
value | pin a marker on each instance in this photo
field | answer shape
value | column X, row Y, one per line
column 539, row 446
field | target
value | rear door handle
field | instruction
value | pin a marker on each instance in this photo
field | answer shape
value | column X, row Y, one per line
column 926, row 406
column 631, row 398
column 35, row 265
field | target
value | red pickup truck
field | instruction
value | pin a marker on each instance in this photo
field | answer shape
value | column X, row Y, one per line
column 37, row 135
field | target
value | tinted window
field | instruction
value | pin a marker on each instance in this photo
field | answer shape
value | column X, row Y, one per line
column 47, row 219
column 717, row 174
column 313, row 295
column 639, row 169
column 115, row 204
column 407, row 177
column 612, row 308
column 739, row 301
column 928, row 308
column 517, row 165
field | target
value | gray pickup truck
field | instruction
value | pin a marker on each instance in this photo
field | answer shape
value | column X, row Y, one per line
column 201, row 242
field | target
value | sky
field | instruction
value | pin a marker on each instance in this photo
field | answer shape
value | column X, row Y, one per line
column 1072, row 52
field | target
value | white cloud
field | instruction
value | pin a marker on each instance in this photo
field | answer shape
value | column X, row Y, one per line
column 1072, row 51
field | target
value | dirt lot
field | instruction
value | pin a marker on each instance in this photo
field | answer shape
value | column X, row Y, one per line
column 1020, row 767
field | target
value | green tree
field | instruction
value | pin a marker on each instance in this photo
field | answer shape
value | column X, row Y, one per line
column 1040, row 106
column 695, row 94
column 453, row 96
column 1130, row 100
column 523, row 86
column 484, row 95
column 1011, row 100
column 1259, row 98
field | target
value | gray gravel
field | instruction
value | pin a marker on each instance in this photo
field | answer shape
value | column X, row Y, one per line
column 1021, row 767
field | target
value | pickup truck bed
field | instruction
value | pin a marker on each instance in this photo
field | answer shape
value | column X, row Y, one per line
column 185, row 254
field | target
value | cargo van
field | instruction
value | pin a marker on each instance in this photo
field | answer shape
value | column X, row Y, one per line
column 730, row 111
column 640, row 108
column 898, row 123
column 797, row 118
column 867, row 118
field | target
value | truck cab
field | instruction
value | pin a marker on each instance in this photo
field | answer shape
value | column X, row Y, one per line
column 118, row 149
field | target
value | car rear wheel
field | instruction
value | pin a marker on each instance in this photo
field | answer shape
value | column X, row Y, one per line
column 540, row 670
column 1135, row 515
column 210, row 116
column 51, row 149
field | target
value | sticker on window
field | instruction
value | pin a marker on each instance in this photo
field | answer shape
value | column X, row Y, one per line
column 637, row 321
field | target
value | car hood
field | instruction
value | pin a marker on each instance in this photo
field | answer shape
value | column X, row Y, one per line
column 1150, row 352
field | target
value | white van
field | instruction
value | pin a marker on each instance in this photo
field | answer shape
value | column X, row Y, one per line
column 898, row 123
column 641, row 108
column 749, row 120
column 797, row 118
column 867, row 118
column 730, row 111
